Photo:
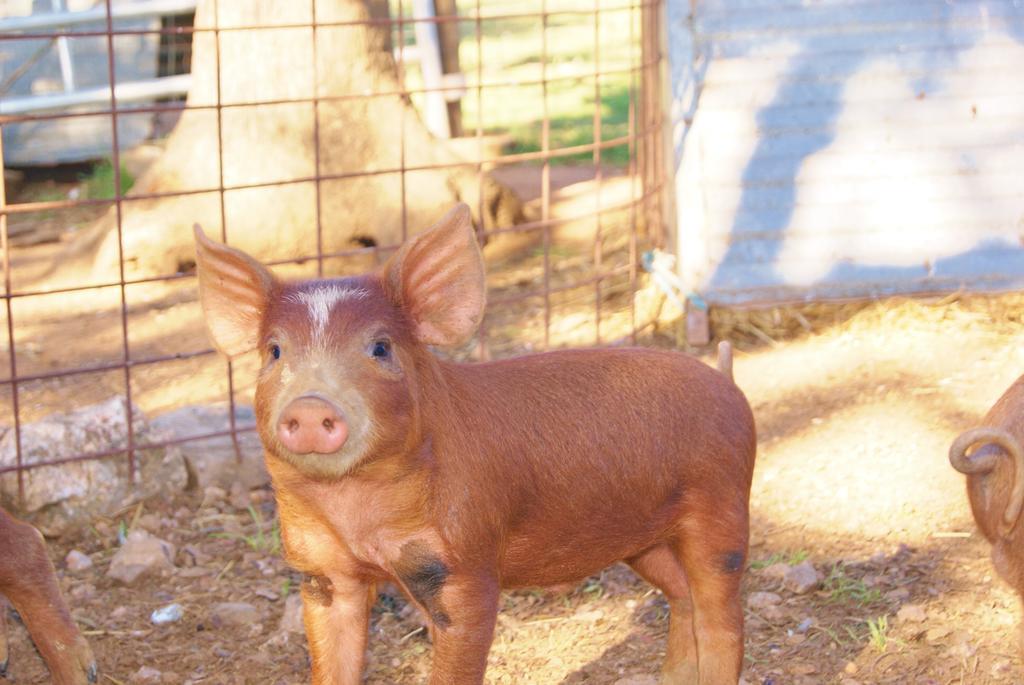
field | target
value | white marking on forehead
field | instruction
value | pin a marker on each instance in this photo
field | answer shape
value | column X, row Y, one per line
column 321, row 300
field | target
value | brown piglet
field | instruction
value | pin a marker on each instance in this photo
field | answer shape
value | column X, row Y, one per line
column 993, row 461
column 454, row 481
column 28, row 581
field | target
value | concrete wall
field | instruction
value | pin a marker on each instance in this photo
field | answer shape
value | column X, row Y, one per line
column 847, row 148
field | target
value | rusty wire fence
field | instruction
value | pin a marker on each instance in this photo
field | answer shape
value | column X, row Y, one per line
column 572, row 124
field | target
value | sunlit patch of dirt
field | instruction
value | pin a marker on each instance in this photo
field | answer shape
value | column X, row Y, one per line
column 856, row 406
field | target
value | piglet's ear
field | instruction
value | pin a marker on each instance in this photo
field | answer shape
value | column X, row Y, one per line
column 233, row 290
column 438, row 278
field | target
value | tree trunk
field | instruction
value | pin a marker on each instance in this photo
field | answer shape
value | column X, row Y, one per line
column 448, row 32
column 274, row 144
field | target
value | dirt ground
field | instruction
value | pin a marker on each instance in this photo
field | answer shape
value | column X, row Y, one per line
column 852, row 476
column 856, row 407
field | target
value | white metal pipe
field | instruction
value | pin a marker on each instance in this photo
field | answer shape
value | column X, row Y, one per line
column 67, row 69
column 135, row 91
column 55, row 20
column 435, row 112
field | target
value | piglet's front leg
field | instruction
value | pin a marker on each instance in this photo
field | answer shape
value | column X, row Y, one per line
column 463, row 612
column 336, row 612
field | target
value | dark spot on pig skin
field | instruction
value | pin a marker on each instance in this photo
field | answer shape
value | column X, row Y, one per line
column 424, row 574
column 732, row 562
column 319, row 589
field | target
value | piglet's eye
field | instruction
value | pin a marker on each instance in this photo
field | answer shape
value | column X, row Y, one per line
column 381, row 349
column 275, row 351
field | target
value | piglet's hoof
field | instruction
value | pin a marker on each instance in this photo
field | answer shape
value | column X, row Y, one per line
column 80, row 668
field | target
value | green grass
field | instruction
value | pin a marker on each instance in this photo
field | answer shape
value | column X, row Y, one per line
column 511, row 50
column 99, row 185
column 846, row 589
column 258, row 541
column 791, row 559
column 593, row 588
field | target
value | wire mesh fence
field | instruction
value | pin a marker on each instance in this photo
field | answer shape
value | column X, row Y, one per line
column 553, row 117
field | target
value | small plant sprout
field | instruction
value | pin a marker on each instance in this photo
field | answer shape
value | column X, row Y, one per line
column 258, row 541
column 844, row 588
column 877, row 633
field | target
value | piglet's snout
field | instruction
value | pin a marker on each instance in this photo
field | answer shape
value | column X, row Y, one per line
column 312, row 425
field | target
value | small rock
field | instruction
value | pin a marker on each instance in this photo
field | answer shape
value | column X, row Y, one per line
column 171, row 613
column 103, row 529
column 291, row 619
column 408, row 611
column 805, row 625
column 214, row 461
column 937, row 633
column 637, row 680
column 1001, row 668
column 802, row 668
column 140, row 556
column 964, row 648
column 239, row 496
column 195, row 572
column 266, row 594
column 911, row 613
column 760, row 600
column 196, row 555
column 118, row 613
column 234, row 614
column 150, row 522
column 592, row 616
column 213, row 494
column 900, row 594
column 259, row 496
column 147, row 674
column 801, row 578
column 777, row 571
column 82, row 592
column 77, row 562
column 850, row 668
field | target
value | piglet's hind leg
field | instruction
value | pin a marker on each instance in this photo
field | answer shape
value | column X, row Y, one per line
column 3, row 636
column 713, row 550
column 660, row 567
